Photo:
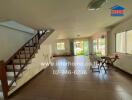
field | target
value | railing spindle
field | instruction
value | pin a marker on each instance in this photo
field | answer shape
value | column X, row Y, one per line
column 25, row 54
column 29, row 48
column 20, row 60
column 37, row 41
column 33, row 46
column 14, row 69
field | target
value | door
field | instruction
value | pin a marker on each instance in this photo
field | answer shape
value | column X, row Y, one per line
column 81, row 47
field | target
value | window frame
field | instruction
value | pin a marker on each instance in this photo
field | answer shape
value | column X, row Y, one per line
column 126, row 31
column 60, row 43
column 116, row 42
column 97, row 42
column 127, row 41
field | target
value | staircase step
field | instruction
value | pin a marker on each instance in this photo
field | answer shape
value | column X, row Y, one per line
column 16, row 67
column 11, row 74
column 27, row 52
column 1, row 98
column 22, row 56
column 11, row 70
column 32, row 44
column 1, row 93
column 0, row 88
column 23, row 62
column 18, row 61
column 31, row 48
column 10, row 79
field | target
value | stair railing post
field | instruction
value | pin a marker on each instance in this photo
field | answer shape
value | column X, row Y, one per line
column 3, row 79
column 38, row 38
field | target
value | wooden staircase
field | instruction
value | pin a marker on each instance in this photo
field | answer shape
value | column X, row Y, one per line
column 11, row 70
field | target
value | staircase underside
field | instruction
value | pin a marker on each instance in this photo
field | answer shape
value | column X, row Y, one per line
column 25, row 63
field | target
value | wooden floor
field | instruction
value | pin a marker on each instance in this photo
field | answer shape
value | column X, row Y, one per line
column 114, row 85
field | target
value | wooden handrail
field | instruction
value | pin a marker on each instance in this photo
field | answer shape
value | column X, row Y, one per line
column 3, row 78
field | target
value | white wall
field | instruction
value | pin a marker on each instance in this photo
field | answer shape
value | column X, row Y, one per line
column 125, row 61
column 10, row 41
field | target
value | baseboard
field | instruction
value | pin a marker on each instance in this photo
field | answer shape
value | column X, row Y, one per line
column 61, row 55
column 123, row 71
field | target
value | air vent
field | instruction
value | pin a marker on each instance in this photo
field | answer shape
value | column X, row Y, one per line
column 96, row 4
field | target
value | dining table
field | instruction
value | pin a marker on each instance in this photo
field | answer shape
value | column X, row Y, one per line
column 107, row 61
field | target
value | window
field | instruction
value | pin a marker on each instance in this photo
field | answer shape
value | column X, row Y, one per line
column 95, row 47
column 81, row 47
column 102, row 46
column 60, row 46
column 123, row 42
column 129, row 42
column 99, row 46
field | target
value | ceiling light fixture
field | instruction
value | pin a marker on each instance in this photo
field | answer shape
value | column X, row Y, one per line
column 96, row 4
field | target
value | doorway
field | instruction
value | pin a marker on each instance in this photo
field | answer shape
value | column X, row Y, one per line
column 81, row 47
column 99, row 46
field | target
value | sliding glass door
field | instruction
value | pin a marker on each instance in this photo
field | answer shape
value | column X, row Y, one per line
column 99, row 47
column 81, row 47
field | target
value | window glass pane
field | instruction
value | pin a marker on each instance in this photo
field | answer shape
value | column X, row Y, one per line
column 102, row 46
column 120, row 42
column 129, row 42
column 99, row 46
column 95, row 48
column 60, row 46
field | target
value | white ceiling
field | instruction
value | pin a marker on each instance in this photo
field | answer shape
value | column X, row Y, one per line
column 68, row 17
